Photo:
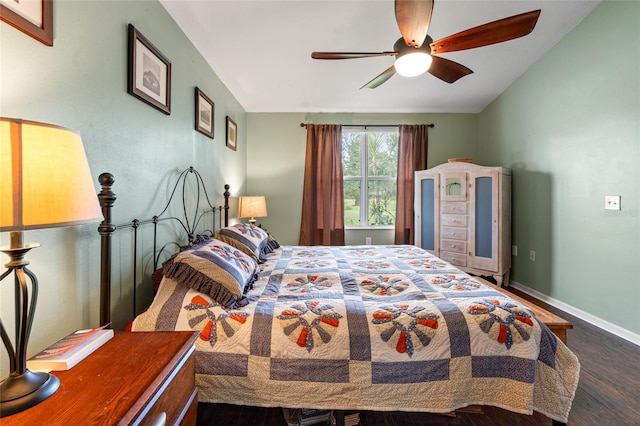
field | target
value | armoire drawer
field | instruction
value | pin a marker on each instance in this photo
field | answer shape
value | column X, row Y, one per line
column 454, row 246
column 453, row 207
column 456, row 259
column 451, row 233
column 453, row 220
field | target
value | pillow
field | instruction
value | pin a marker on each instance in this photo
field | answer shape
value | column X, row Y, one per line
column 216, row 269
column 251, row 239
column 199, row 239
column 272, row 244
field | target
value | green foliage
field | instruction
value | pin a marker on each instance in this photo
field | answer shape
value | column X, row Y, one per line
column 351, row 212
column 382, row 203
column 383, row 154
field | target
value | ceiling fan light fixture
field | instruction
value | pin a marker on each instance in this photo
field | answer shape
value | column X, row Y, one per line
column 413, row 64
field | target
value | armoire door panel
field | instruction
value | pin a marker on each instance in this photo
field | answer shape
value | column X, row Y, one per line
column 427, row 222
column 453, row 186
column 483, row 206
column 484, row 218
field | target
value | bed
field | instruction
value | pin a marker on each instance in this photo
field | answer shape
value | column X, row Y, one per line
column 389, row 328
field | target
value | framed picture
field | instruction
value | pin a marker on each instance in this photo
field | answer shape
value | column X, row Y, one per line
column 34, row 18
column 149, row 74
column 205, row 113
column 232, row 133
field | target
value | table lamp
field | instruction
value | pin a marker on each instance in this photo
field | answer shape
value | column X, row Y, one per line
column 45, row 182
column 252, row 207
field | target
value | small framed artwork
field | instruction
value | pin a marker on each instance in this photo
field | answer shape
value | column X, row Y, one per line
column 149, row 73
column 232, row 134
column 34, row 18
column 205, row 113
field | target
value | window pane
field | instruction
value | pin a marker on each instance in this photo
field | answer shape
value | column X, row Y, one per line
column 383, row 154
column 352, row 202
column 351, row 154
column 382, row 202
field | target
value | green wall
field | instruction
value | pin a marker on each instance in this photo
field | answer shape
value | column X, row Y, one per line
column 275, row 161
column 570, row 130
column 80, row 83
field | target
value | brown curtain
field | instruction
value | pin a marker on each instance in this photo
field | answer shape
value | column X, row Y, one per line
column 322, row 197
column 412, row 156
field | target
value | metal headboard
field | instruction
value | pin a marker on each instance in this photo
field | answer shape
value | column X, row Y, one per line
column 189, row 223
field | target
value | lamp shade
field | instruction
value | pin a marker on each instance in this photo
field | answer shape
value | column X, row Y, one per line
column 254, row 206
column 45, row 179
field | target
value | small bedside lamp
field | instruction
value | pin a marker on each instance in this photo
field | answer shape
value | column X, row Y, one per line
column 45, row 182
column 252, row 207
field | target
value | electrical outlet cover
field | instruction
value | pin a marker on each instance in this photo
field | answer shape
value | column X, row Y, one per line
column 612, row 202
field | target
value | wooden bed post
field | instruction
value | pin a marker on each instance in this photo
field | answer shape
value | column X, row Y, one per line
column 106, row 228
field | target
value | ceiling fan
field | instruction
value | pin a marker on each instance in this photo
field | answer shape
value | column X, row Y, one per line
column 416, row 52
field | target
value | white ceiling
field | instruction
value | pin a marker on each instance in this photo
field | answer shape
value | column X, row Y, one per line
column 261, row 50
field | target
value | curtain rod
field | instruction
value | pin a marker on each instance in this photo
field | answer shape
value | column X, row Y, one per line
column 430, row 125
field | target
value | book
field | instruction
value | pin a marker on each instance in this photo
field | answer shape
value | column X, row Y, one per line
column 70, row 350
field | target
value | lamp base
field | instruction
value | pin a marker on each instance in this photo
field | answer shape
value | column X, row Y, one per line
column 19, row 392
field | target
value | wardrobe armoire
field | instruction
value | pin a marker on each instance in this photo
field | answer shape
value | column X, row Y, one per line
column 463, row 216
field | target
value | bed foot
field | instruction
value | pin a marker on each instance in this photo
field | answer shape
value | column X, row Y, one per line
column 339, row 416
column 557, row 423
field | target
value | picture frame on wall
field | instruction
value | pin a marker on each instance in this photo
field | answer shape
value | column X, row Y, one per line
column 34, row 18
column 149, row 72
column 232, row 134
column 205, row 114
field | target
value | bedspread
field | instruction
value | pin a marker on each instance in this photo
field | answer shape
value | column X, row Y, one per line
column 370, row 327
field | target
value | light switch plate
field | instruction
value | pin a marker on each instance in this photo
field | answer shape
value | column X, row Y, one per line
column 612, row 202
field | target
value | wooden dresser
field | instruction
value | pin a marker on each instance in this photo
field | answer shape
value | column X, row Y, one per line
column 137, row 378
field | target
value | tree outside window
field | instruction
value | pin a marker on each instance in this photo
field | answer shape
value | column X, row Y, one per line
column 369, row 166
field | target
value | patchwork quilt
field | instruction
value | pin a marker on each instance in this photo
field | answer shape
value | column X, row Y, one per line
column 369, row 327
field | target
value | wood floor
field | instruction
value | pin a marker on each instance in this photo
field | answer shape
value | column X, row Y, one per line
column 607, row 392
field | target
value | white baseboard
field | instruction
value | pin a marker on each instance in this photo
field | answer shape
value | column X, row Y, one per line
column 585, row 316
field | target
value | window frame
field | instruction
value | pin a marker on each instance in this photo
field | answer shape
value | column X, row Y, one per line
column 364, row 177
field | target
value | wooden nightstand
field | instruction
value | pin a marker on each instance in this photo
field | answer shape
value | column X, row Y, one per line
column 135, row 378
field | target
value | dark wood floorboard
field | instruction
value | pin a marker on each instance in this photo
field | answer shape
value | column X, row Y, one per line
column 607, row 392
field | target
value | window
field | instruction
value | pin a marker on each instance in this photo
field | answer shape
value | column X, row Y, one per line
column 369, row 167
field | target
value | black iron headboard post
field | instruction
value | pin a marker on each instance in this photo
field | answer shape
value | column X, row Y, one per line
column 227, row 194
column 106, row 228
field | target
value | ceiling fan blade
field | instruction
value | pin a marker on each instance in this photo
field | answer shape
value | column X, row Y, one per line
column 447, row 70
column 381, row 78
column 490, row 33
column 349, row 55
column 413, row 17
